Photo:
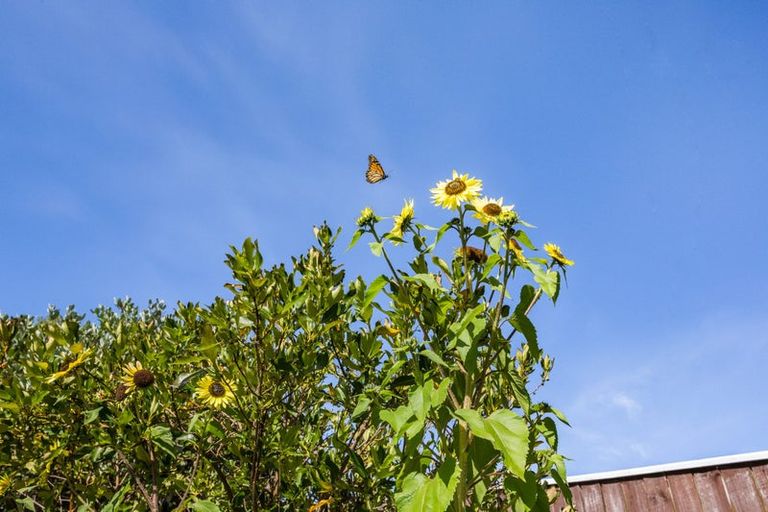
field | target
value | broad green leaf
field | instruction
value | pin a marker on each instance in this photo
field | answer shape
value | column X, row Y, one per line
column 208, row 344
column 434, row 357
column 519, row 321
column 162, row 437
column 420, row 493
column 507, row 432
column 397, row 418
column 426, row 279
column 376, row 248
column 113, row 505
column 362, row 406
column 373, row 290
column 204, row 506
column 91, row 416
column 549, row 281
column 522, row 236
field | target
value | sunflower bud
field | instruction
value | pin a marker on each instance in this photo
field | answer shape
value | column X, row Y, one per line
column 367, row 218
column 507, row 219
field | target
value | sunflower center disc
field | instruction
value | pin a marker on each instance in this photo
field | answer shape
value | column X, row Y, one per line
column 455, row 187
column 492, row 209
column 216, row 389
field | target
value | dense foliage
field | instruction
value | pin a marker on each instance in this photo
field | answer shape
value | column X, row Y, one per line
column 303, row 390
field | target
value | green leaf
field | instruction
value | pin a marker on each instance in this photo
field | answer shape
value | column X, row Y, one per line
column 397, row 418
column 91, row 416
column 433, row 357
column 204, row 506
column 113, row 505
column 355, row 237
column 376, row 248
column 522, row 236
column 519, row 321
column 362, row 406
column 419, row 493
column 549, row 281
column 521, row 393
column 426, row 279
column 507, row 432
column 208, row 344
column 161, row 436
column 373, row 290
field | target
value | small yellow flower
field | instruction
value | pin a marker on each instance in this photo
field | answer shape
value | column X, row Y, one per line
column 216, row 393
column 136, row 377
column 449, row 194
column 489, row 209
column 387, row 329
column 67, row 368
column 367, row 217
column 320, row 504
column 557, row 254
column 402, row 221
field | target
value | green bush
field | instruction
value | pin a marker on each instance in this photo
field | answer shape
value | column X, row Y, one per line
column 303, row 390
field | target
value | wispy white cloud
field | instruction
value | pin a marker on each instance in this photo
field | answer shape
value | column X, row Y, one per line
column 693, row 393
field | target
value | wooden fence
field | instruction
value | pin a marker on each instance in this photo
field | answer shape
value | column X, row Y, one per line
column 728, row 484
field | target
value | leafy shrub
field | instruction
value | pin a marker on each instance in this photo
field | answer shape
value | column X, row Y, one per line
column 303, row 390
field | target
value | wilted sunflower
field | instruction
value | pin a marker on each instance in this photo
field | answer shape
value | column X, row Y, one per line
column 402, row 221
column 557, row 254
column 451, row 193
column 216, row 393
column 137, row 377
column 489, row 209
column 68, row 367
column 473, row 254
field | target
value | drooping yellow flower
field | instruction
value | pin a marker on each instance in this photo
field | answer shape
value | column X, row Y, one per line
column 489, row 209
column 216, row 393
column 517, row 251
column 367, row 217
column 402, row 221
column 320, row 504
column 67, row 368
column 449, row 194
column 387, row 329
column 136, row 377
column 557, row 254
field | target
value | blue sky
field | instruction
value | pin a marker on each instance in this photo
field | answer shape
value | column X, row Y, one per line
column 139, row 140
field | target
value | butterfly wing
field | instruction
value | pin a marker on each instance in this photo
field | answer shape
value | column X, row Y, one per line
column 375, row 172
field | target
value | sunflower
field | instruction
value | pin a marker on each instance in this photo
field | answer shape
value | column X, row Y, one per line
column 557, row 254
column 367, row 218
column 216, row 393
column 136, row 377
column 449, row 194
column 67, row 368
column 488, row 209
column 5, row 483
column 402, row 221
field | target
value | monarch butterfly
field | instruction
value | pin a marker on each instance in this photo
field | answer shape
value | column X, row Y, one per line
column 375, row 172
